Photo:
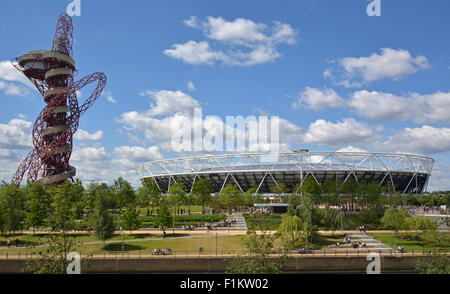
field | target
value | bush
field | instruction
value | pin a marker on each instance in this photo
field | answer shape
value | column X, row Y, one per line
column 263, row 221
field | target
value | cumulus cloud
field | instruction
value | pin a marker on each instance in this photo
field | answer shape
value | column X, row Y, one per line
column 426, row 139
column 347, row 131
column 15, row 135
column 9, row 77
column 439, row 180
column 90, row 154
column 83, row 135
column 168, row 102
column 176, row 116
column 350, row 148
column 318, row 99
column 379, row 106
column 390, row 64
column 137, row 153
column 245, row 42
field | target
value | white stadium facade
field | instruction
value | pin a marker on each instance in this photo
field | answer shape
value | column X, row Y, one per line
column 402, row 173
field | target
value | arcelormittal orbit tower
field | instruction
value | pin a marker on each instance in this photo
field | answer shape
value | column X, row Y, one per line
column 52, row 73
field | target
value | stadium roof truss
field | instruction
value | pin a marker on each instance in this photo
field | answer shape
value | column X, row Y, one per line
column 401, row 172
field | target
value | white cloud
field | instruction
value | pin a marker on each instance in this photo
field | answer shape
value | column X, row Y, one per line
column 168, row 102
column 439, row 180
column 426, row 139
column 109, row 96
column 347, row 131
column 90, row 154
column 318, row 99
column 379, row 106
column 137, row 154
column 86, row 136
column 247, row 43
column 16, row 134
column 9, row 73
column 11, row 89
column 193, row 52
column 390, row 64
column 176, row 111
column 350, row 148
column 190, row 85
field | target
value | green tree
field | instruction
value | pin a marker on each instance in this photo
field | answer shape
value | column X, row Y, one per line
column 123, row 192
column 201, row 190
column 163, row 218
column 131, row 218
column 259, row 260
column 104, row 223
column 149, row 193
column 37, row 204
column 12, row 203
column 64, row 206
column 331, row 218
column 434, row 263
column 177, row 194
column 395, row 219
column 230, row 197
column 53, row 258
column 290, row 231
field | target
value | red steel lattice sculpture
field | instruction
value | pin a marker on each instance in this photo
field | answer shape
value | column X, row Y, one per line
column 52, row 73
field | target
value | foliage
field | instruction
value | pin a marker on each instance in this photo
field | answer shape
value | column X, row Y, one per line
column 230, row 197
column 104, row 223
column 37, row 204
column 130, row 218
column 331, row 218
column 66, row 199
column 201, row 190
column 259, row 260
column 434, row 263
column 290, row 231
column 123, row 192
column 395, row 219
column 177, row 193
column 12, row 207
column 164, row 218
column 53, row 259
column 264, row 221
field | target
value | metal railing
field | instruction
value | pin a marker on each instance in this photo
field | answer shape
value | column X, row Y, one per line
column 234, row 253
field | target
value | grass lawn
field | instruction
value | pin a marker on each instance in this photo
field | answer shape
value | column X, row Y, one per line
column 224, row 243
column 409, row 244
column 39, row 239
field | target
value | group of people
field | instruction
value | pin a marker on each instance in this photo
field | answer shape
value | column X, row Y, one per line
column 9, row 243
column 363, row 228
column 354, row 244
column 187, row 228
column 359, row 244
column 164, row 251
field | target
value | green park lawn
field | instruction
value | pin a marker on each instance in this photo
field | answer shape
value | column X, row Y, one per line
column 181, row 246
column 410, row 243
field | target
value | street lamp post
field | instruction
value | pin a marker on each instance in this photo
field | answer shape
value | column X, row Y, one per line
column 123, row 240
column 216, row 244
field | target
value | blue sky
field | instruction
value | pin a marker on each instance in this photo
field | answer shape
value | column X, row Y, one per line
column 350, row 81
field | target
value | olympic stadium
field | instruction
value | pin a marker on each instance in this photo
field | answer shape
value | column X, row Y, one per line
column 402, row 173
